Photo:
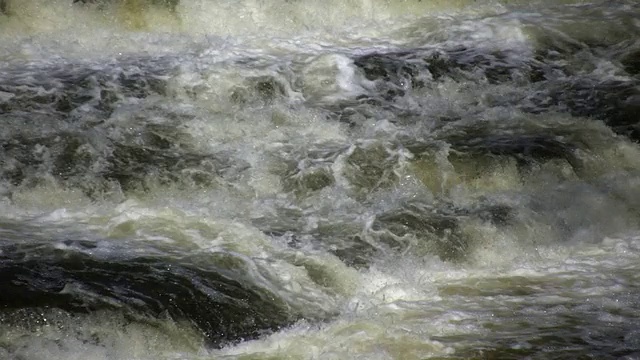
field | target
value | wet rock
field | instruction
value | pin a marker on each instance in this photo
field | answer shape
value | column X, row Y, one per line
column 221, row 302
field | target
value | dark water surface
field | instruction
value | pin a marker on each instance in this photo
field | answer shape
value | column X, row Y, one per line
column 302, row 180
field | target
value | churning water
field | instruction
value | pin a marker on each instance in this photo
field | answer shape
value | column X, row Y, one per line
column 301, row 179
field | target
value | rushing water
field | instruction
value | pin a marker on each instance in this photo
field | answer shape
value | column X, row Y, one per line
column 301, row 179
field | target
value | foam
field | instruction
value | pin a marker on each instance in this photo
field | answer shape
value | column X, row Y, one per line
column 56, row 335
column 43, row 29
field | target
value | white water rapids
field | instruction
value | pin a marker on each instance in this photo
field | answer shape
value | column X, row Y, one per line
column 296, row 179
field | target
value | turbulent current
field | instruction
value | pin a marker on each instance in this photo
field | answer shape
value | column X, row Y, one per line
column 302, row 179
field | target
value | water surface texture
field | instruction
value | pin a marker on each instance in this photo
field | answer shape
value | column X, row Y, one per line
column 301, row 179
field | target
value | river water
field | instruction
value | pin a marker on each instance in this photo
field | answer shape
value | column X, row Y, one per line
column 301, row 179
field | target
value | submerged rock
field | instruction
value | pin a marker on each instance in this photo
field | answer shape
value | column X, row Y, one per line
column 219, row 300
